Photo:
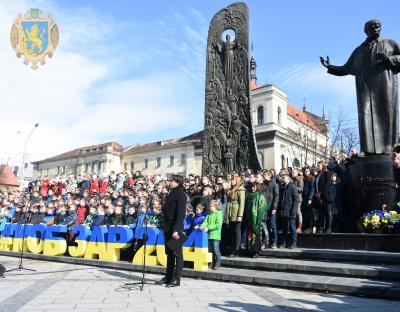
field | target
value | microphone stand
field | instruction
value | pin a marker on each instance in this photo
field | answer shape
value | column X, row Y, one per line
column 21, row 256
column 145, row 236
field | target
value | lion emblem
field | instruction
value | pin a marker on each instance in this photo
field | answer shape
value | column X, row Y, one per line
column 32, row 40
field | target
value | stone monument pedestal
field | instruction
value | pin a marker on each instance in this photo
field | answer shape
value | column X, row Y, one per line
column 371, row 184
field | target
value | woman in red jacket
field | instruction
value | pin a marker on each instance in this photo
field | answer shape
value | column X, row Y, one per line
column 81, row 212
column 103, row 186
column 44, row 189
column 94, row 185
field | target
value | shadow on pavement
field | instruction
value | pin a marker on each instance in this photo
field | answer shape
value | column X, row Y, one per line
column 134, row 281
column 231, row 306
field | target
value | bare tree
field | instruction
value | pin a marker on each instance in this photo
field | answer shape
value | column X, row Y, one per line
column 303, row 144
column 350, row 140
column 336, row 132
column 344, row 138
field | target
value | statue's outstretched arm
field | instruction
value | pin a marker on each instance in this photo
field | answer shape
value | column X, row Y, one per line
column 332, row 69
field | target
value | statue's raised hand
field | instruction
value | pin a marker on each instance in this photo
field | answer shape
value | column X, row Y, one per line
column 326, row 62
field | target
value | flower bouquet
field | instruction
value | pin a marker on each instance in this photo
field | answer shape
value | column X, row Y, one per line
column 380, row 221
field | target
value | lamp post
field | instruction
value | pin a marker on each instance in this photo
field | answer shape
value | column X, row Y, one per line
column 24, row 155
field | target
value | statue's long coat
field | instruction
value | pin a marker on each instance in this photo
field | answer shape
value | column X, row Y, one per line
column 377, row 96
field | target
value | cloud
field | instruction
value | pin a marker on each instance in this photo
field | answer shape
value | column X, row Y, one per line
column 301, row 80
column 97, row 87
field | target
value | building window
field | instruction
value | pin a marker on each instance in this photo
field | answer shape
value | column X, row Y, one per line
column 171, row 160
column 146, row 163
column 260, row 115
column 125, row 166
column 296, row 163
column 279, row 115
column 283, row 161
column 99, row 167
column 158, row 162
column 183, row 159
column 132, row 165
column 261, row 159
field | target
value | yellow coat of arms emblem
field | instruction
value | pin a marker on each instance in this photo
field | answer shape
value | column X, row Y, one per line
column 34, row 36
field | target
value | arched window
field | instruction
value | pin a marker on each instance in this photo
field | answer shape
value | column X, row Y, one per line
column 146, row 163
column 279, row 115
column 261, row 159
column 283, row 161
column 132, row 165
column 296, row 163
column 260, row 115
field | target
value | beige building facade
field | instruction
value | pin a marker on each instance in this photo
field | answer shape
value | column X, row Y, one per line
column 97, row 159
column 178, row 156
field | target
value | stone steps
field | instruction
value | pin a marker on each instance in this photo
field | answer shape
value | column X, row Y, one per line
column 323, row 283
column 378, row 257
column 389, row 272
column 252, row 274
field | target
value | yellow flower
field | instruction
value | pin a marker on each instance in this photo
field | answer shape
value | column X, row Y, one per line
column 394, row 215
column 375, row 220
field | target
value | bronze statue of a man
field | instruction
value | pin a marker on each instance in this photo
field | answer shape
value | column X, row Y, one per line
column 375, row 64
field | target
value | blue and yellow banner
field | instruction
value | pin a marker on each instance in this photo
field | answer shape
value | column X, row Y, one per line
column 103, row 243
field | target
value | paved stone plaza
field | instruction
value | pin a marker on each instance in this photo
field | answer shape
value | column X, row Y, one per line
column 65, row 287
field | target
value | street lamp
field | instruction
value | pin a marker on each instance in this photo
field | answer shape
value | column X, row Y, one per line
column 24, row 155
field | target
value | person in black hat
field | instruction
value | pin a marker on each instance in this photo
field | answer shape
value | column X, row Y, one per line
column 174, row 214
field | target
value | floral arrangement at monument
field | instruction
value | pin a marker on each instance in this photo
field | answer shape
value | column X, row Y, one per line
column 381, row 221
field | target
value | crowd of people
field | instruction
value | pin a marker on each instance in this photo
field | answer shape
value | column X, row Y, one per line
column 242, row 212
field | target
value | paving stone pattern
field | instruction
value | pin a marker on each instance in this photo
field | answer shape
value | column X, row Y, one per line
column 69, row 287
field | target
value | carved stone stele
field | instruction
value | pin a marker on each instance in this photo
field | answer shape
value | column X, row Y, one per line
column 229, row 142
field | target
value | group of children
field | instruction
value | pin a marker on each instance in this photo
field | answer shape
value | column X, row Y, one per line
column 209, row 221
column 91, row 213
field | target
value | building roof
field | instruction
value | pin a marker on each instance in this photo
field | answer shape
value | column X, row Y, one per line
column 7, row 177
column 253, row 85
column 320, row 122
column 197, row 136
column 116, row 147
column 301, row 116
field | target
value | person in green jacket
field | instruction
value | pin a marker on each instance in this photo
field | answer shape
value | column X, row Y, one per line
column 256, row 207
column 213, row 225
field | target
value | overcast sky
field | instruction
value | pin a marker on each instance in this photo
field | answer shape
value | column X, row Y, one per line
column 133, row 71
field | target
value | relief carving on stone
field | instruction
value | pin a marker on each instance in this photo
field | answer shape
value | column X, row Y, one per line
column 229, row 143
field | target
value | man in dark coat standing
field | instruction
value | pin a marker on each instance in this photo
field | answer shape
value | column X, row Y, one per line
column 375, row 64
column 288, row 205
column 273, row 201
column 174, row 214
column 324, row 193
